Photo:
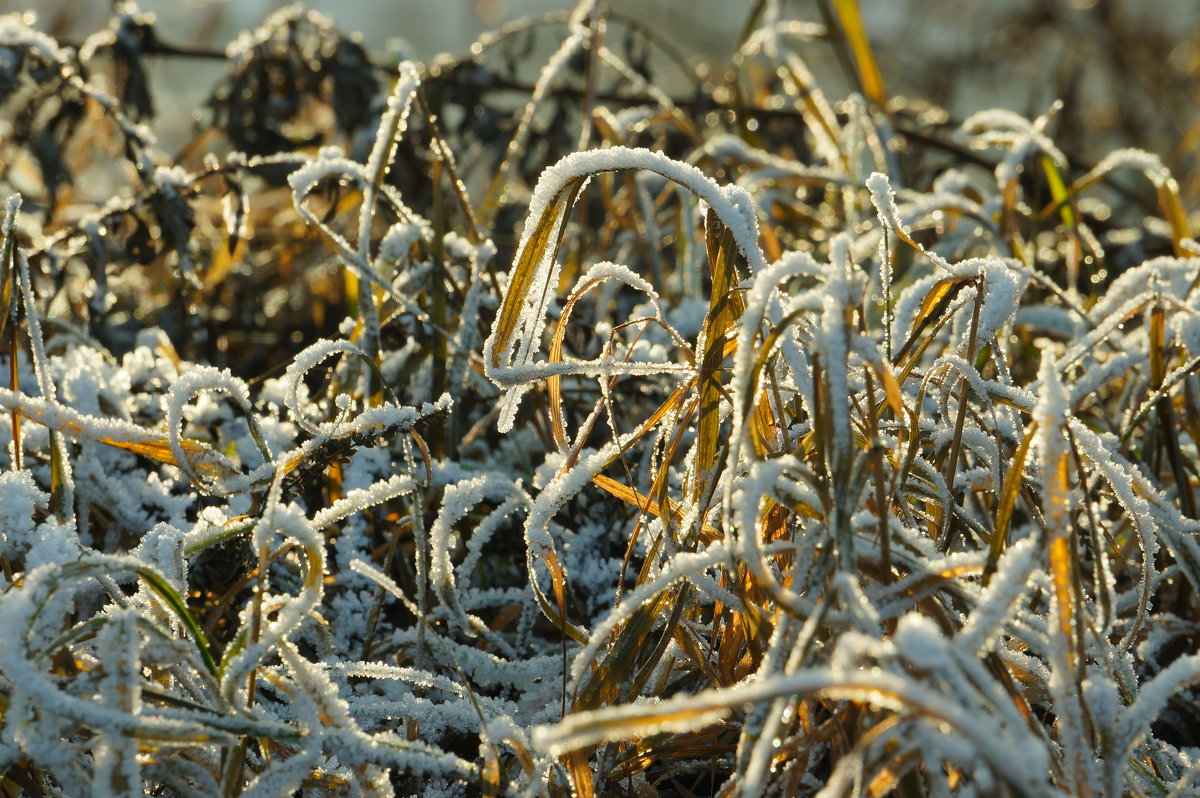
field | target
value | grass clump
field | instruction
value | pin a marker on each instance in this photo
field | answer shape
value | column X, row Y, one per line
column 791, row 447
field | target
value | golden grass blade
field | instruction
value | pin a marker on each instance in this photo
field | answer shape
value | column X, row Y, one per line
column 763, row 420
column 1061, row 563
column 933, row 306
column 725, row 307
column 543, row 242
column 891, row 389
column 1013, row 481
column 580, row 773
column 708, row 533
column 59, row 478
column 554, row 382
column 620, row 662
column 1167, row 421
column 1066, row 605
column 114, row 432
column 1174, row 213
column 860, row 46
column 8, row 315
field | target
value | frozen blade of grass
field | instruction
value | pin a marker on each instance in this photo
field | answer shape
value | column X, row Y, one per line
column 765, row 478
column 509, row 358
column 833, row 347
column 1164, row 184
column 708, row 533
column 294, row 527
column 1014, row 480
column 117, row 770
column 1130, row 488
column 457, row 501
column 1010, row 581
column 1066, row 608
column 884, row 200
column 932, row 311
column 8, row 321
column 8, row 264
column 724, row 310
column 538, row 250
column 639, row 605
column 392, row 126
column 1152, row 699
column 180, row 608
column 116, row 432
column 185, row 388
column 749, row 360
column 950, row 523
column 1015, row 761
column 596, row 276
column 301, row 364
column 32, row 683
column 62, row 485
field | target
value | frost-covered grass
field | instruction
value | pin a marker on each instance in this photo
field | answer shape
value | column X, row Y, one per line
column 398, row 437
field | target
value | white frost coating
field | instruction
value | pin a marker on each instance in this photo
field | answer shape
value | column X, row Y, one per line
column 884, row 200
column 1123, row 477
column 400, row 237
column 1051, row 415
column 330, row 162
column 1009, row 584
column 1152, row 699
column 1147, row 163
column 512, row 368
column 457, row 501
column 834, row 345
column 15, row 33
column 87, row 427
column 291, row 524
column 1007, row 751
column 309, row 358
column 764, row 291
column 1002, row 294
column 162, row 549
column 766, row 37
column 918, row 640
column 1104, row 373
column 558, row 492
column 999, row 127
column 727, row 145
column 116, row 767
column 1171, row 276
column 37, row 346
column 572, row 44
column 392, row 127
column 30, row 683
column 200, row 379
column 358, row 500
column 1187, row 332
column 744, row 501
column 20, row 497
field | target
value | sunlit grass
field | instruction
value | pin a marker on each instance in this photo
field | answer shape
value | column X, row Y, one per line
column 755, row 443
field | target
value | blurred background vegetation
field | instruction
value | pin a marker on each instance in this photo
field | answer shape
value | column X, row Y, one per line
column 1127, row 71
